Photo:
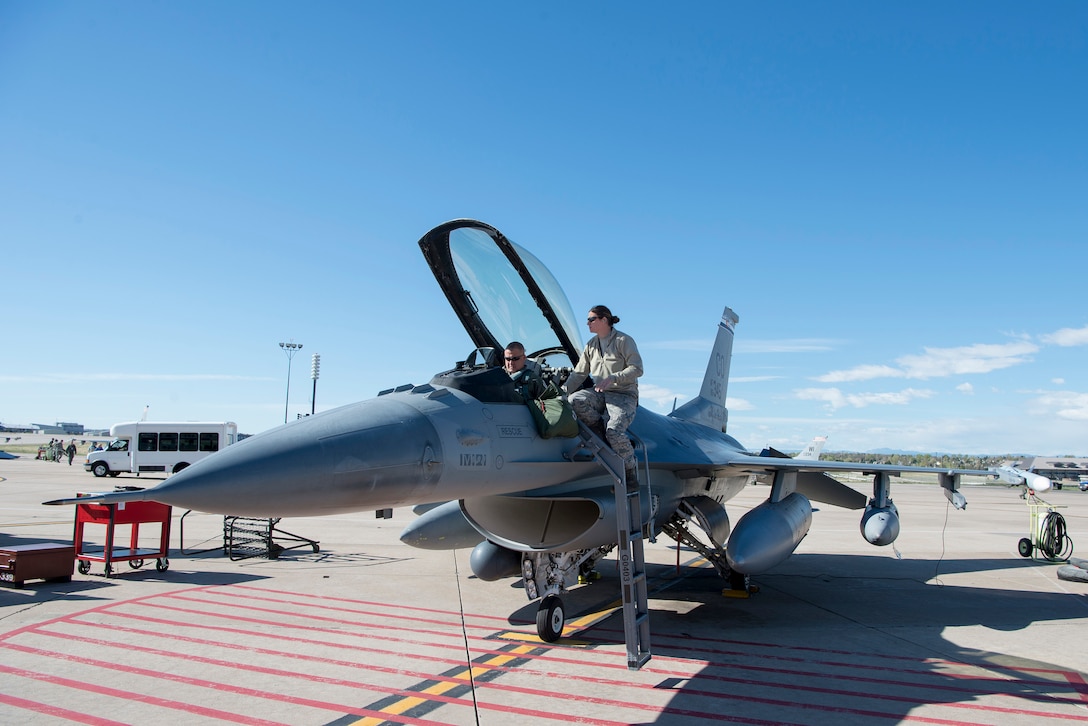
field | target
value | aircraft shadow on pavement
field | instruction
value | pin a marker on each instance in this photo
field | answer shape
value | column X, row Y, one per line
column 853, row 587
column 819, row 615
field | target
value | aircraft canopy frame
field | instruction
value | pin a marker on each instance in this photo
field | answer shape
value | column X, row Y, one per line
column 500, row 291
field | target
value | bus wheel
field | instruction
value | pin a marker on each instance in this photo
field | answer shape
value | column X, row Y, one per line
column 100, row 468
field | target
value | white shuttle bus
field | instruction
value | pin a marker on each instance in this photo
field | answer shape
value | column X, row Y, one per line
column 156, row 446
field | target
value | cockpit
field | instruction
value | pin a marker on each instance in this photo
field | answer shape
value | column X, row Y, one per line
column 501, row 293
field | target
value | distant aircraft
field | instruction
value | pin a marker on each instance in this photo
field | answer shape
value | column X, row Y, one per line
column 1012, row 475
column 812, row 451
column 545, row 510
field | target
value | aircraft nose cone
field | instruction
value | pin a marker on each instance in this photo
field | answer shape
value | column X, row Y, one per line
column 370, row 455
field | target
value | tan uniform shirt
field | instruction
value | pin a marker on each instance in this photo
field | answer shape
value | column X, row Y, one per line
column 614, row 355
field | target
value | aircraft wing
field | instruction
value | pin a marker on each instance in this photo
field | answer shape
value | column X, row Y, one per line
column 770, row 463
column 810, row 477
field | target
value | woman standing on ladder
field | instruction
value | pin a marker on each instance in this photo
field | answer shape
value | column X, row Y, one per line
column 613, row 362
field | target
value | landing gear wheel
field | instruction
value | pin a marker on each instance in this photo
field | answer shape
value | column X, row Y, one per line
column 1025, row 547
column 162, row 564
column 135, row 564
column 550, row 619
column 84, row 567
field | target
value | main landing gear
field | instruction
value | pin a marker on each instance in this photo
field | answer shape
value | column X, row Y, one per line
column 549, row 574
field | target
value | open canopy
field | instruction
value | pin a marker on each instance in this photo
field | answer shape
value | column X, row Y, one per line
column 500, row 291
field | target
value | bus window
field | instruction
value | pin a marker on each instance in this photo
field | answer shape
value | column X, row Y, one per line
column 119, row 445
column 209, row 442
column 187, row 442
column 149, row 442
column 168, row 442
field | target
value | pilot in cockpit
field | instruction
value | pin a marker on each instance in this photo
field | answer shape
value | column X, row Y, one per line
column 524, row 372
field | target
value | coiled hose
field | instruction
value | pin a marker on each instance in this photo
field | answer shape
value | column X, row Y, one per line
column 1054, row 542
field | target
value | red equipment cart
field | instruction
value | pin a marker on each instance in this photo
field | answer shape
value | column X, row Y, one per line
column 111, row 515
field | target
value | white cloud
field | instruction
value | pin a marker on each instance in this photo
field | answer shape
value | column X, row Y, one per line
column 1067, row 337
column 836, row 399
column 1058, row 381
column 941, row 362
column 981, row 358
column 738, row 404
column 1063, row 404
column 662, row 397
column 966, row 388
column 861, row 373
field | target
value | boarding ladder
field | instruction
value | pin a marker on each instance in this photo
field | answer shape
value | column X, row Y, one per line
column 630, row 556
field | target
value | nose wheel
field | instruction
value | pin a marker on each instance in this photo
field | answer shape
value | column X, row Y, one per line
column 550, row 618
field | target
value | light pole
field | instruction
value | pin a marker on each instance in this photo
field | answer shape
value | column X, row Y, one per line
column 315, row 370
column 290, row 349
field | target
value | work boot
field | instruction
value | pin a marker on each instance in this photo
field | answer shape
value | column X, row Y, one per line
column 632, row 477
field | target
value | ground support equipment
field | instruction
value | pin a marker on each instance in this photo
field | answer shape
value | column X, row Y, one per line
column 245, row 537
column 1047, row 534
column 111, row 515
column 49, row 561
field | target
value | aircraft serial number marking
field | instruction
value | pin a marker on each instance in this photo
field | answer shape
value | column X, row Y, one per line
column 473, row 460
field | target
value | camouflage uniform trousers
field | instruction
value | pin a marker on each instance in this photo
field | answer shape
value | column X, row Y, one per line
column 617, row 410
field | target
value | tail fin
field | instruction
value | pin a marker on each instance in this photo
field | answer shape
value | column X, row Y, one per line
column 708, row 408
column 812, row 451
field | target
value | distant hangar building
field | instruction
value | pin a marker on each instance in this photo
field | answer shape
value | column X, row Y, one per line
column 61, row 427
column 1056, row 468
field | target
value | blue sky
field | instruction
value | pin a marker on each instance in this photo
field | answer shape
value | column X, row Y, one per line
column 890, row 195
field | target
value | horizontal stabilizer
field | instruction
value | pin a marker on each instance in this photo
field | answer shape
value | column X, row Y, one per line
column 820, row 487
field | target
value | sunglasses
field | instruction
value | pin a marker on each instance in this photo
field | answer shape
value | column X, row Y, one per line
column 593, row 319
column 516, row 357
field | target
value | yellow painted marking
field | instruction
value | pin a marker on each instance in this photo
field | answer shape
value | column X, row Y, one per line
column 458, row 679
column 500, row 660
column 593, row 618
column 399, row 707
column 442, row 686
column 538, row 643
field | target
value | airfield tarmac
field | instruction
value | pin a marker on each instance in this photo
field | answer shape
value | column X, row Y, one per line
column 959, row 630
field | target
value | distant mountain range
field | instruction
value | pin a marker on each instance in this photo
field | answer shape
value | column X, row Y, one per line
column 902, row 452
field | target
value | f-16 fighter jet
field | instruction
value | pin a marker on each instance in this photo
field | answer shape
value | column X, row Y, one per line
column 541, row 508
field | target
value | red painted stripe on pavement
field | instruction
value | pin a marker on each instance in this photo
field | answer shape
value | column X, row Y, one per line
column 127, row 695
column 883, row 696
column 57, row 711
